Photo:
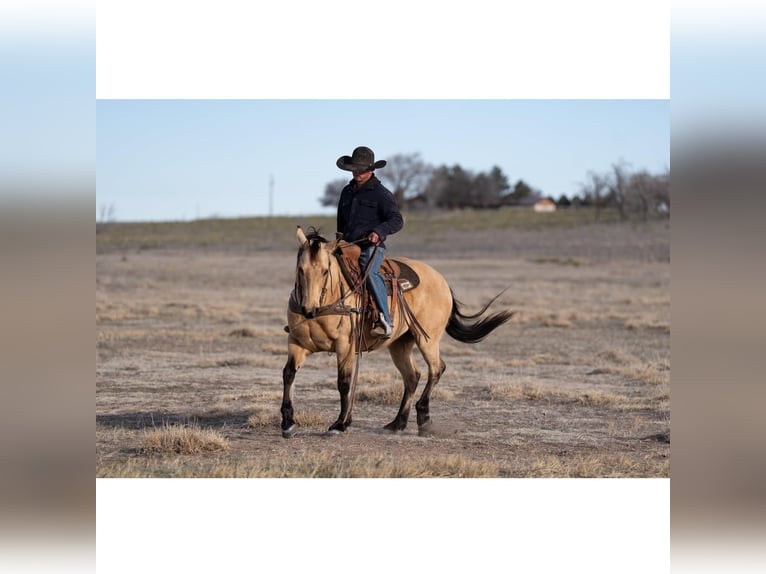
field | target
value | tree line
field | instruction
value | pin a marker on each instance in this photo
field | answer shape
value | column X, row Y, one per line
column 419, row 185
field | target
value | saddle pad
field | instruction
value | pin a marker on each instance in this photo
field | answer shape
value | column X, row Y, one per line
column 407, row 278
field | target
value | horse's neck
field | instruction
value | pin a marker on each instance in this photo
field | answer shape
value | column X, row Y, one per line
column 343, row 286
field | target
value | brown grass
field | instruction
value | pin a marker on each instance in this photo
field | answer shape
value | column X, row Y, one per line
column 571, row 386
column 590, row 466
column 391, row 394
column 225, row 362
column 309, row 465
column 575, row 262
column 337, row 465
column 262, row 417
column 275, row 349
column 652, row 324
column 527, row 389
column 183, row 439
column 309, row 418
column 244, row 332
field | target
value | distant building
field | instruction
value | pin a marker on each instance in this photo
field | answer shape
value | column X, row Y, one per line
column 545, row 205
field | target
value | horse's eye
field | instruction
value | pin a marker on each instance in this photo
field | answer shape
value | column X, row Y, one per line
column 325, row 272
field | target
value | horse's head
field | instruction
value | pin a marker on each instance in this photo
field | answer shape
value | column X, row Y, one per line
column 312, row 272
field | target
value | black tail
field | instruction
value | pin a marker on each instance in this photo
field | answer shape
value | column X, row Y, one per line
column 461, row 329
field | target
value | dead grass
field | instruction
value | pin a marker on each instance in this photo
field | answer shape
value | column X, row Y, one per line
column 225, row 362
column 651, row 324
column 325, row 464
column 261, row 418
column 275, row 349
column 600, row 399
column 270, row 417
column 183, row 439
column 616, row 357
column 573, row 261
column 575, row 381
column 388, row 394
column 505, row 391
column 391, row 393
column 309, row 418
column 512, row 391
column 308, row 465
column 556, row 320
column 617, row 362
column 591, row 466
column 272, row 361
column 244, row 332
column 651, row 374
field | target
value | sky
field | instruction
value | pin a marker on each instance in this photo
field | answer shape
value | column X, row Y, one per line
column 160, row 160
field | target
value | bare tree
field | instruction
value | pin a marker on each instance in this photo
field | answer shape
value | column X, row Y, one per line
column 332, row 192
column 619, row 187
column 640, row 195
column 106, row 213
column 437, row 186
column 407, row 175
column 593, row 190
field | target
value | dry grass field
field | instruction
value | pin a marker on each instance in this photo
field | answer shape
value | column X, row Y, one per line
column 190, row 348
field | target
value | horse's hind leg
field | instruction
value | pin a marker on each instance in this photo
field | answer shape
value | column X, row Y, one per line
column 436, row 368
column 401, row 353
column 296, row 355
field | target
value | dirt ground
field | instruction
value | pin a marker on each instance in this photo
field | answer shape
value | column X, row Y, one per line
column 576, row 384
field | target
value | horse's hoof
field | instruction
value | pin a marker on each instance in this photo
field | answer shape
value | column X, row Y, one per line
column 333, row 432
column 288, row 432
column 394, row 427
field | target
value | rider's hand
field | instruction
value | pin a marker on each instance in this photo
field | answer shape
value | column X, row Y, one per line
column 374, row 237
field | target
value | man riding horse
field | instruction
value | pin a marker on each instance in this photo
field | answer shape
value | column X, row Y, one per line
column 367, row 215
column 325, row 312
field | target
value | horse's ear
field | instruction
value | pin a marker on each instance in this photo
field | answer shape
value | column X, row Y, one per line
column 301, row 236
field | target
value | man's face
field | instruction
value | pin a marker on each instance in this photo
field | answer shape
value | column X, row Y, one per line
column 362, row 177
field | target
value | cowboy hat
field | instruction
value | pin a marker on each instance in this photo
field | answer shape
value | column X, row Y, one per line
column 362, row 159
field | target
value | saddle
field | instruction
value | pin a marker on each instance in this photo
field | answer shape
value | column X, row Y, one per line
column 397, row 275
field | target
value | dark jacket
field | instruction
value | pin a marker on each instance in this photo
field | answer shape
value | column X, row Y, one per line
column 364, row 210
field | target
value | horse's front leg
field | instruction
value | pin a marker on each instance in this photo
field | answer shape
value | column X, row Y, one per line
column 345, row 388
column 296, row 355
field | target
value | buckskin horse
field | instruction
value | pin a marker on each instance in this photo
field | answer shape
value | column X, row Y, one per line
column 326, row 313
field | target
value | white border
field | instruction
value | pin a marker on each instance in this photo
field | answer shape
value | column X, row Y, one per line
column 375, row 525
column 331, row 49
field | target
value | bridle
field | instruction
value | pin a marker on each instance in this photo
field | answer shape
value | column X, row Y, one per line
column 337, row 307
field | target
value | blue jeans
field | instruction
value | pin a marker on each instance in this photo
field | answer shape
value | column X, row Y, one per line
column 375, row 280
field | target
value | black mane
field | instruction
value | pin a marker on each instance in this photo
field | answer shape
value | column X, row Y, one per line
column 315, row 240
column 315, row 234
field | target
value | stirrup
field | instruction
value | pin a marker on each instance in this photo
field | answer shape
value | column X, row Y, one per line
column 382, row 329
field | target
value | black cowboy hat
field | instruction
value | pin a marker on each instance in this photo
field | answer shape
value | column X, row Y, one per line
column 361, row 159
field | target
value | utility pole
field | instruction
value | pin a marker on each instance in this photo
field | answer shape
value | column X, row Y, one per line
column 271, row 195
